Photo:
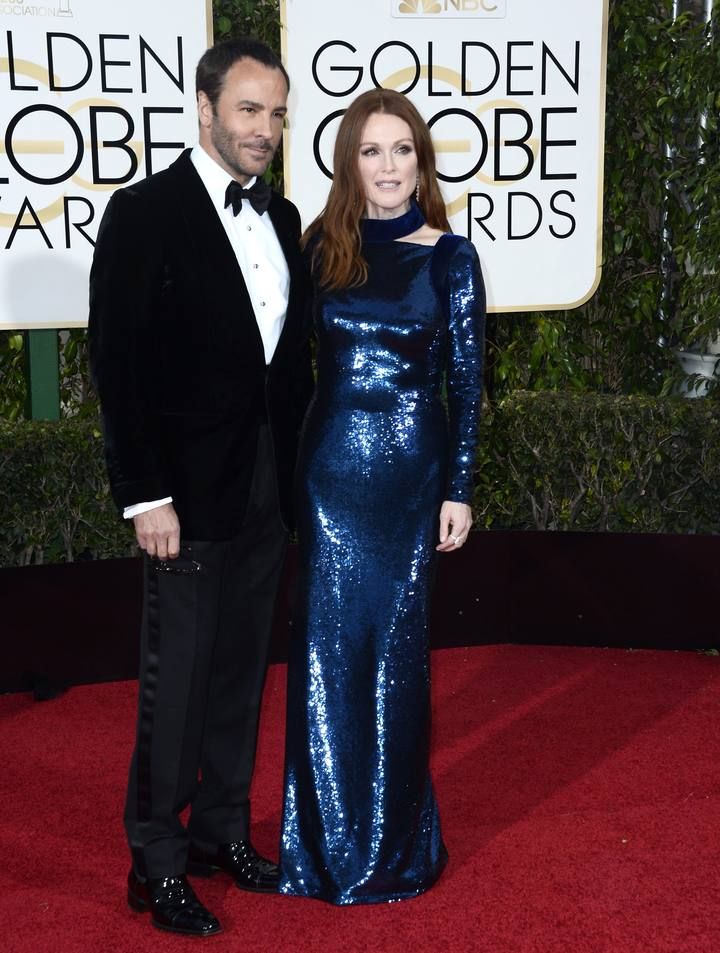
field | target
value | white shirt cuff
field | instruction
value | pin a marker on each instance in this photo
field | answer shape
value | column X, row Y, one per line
column 138, row 508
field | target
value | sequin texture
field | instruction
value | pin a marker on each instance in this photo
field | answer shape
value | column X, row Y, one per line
column 378, row 456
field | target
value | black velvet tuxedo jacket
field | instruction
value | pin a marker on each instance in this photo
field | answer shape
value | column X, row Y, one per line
column 177, row 356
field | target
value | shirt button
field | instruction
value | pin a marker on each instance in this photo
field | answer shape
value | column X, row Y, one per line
column 262, row 303
column 249, row 228
column 256, row 266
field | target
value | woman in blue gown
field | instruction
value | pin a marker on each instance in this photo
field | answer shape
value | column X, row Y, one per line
column 384, row 481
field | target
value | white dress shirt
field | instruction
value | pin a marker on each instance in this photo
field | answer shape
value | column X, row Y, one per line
column 261, row 261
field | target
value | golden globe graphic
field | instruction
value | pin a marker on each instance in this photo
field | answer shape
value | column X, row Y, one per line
column 95, row 95
column 514, row 94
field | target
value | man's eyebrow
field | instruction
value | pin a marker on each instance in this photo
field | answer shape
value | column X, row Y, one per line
column 260, row 106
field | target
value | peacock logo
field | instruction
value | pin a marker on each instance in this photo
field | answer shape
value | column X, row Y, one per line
column 456, row 9
column 420, row 6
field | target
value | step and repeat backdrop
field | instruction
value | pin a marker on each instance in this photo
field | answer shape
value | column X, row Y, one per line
column 514, row 92
column 98, row 93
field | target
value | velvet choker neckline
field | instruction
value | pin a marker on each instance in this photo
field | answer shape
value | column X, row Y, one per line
column 390, row 229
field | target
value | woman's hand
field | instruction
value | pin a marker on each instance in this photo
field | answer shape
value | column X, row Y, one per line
column 455, row 523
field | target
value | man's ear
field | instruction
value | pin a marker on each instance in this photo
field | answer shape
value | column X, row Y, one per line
column 205, row 109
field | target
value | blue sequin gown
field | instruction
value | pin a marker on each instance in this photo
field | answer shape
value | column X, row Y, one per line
column 378, row 456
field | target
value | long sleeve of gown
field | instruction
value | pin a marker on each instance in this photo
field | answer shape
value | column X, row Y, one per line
column 465, row 292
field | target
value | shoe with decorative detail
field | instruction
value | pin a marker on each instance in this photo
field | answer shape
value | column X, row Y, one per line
column 241, row 861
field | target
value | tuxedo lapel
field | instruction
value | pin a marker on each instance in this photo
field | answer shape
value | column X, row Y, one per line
column 187, row 197
column 222, row 274
column 291, row 251
column 288, row 242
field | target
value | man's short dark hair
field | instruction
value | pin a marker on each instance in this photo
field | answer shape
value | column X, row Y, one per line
column 215, row 63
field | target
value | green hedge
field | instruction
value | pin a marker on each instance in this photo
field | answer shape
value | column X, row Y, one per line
column 54, row 496
column 547, row 461
column 585, row 462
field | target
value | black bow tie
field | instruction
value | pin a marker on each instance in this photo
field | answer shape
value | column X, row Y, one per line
column 258, row 196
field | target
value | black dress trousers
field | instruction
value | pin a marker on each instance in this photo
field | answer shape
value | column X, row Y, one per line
column 205, row 638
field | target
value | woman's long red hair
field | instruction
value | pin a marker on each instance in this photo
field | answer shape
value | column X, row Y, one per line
column 337, row 255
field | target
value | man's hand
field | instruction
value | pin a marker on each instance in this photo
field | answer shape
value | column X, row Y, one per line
column 158, row 531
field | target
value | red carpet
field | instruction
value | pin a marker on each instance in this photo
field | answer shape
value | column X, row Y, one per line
column 579, row 791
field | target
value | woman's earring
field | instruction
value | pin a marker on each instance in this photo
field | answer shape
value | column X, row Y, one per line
column 417, row 190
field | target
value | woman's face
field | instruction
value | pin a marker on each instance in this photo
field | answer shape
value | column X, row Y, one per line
column 388, row 165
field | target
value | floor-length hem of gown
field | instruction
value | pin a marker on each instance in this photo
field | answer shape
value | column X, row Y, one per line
column 338, row 900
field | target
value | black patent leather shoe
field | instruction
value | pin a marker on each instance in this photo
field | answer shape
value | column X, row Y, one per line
column 248, row 869
column 172, row 905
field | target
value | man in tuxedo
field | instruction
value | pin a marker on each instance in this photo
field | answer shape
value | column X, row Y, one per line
column 198, row 350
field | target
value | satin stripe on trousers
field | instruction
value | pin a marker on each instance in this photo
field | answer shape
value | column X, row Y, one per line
column 205, row 642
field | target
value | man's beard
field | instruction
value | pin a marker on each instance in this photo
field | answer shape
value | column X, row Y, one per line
column 223, row 142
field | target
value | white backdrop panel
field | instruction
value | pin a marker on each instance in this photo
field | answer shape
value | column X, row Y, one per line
column 93, row 94
column 515, row 93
